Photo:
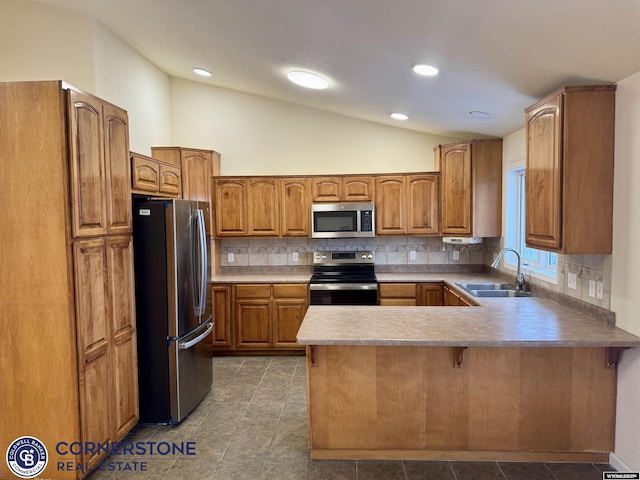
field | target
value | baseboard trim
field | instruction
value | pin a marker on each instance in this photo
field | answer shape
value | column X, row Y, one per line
column 618, row 464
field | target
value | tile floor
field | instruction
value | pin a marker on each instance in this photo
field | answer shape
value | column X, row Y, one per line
column 253, row 426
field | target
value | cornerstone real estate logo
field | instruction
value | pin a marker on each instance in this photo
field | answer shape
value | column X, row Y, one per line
column 27, row 457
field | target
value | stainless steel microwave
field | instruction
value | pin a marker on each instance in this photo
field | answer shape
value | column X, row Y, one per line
column 342, row 220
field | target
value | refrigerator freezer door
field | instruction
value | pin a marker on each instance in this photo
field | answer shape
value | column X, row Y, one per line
column 190, row 371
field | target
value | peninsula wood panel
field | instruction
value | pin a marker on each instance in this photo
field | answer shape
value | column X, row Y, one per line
column 414, row 403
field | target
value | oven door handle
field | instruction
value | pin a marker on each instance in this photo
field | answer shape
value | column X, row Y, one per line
column 343, row 286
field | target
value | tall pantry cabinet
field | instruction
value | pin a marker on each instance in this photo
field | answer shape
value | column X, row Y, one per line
column 68, row 358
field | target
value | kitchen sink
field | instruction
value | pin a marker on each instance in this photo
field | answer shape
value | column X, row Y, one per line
column 500, row 293
column 486, row 286
column 496, row 290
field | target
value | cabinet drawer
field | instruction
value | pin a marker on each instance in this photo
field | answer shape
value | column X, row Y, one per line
column 296, row 290
column 397, row 290
column 251, row 290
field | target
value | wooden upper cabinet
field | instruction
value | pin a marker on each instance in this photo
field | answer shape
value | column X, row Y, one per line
column 327, row 189
column 390, row 205
column 407, row 204
column 88, row 177
column 471, row 188
column 100, row 173
column 358, row 189
column 263, row 207
column 455, row 164
column 422, row 204
column 295, row 207
column 569, row 176
column 116, row 155
column 230, row 206
column 343, row 189
column 153, row 176
column 198, row 167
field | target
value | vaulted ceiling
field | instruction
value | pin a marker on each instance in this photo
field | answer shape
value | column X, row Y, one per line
column 494, row 56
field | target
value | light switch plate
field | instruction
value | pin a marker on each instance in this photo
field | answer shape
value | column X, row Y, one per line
column 599, row 290
column 572, row 280
column 294, row 256
column 456, row 255
column 412, row 255
column 592, row 288
column 230, row 257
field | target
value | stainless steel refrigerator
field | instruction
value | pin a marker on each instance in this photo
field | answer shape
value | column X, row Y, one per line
column 173, row 314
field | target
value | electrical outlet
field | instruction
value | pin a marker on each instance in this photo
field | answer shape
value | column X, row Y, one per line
column 599, row 290
column 230, row 257
column 456, row 255
column 592, row 288
column 294, row 256
column 572, row 280
column 412, row 255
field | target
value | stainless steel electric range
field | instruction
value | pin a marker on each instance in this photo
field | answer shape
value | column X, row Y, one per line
column 344, row 278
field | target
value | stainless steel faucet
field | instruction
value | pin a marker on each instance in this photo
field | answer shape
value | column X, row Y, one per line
column 519, row 274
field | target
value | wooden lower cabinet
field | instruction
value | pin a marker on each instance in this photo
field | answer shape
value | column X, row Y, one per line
column 258, row 318
column 502, row 403
column 453, row 299
column 411, row 294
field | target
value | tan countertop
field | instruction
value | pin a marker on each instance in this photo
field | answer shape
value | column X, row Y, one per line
column 494, row 322
column 531, row 321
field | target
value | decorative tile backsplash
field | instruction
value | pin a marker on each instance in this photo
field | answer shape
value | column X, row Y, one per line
column 393, row 250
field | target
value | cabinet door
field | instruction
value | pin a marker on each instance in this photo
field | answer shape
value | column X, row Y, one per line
column 88, row 179
column 455, row 201
column 358, row 189
column 543, row 179
column 431, row 294
column 287, row 317
column 221, row 299
column 326, row 189
column 263, row 209
column 197, row 169
column 116, row 155
column 295, row 216
column 230, row 207
column 422, row 204
column 253, row 322
column 397, row 294
column 93, row 343
column 390, row 205
column 123, row 328
column 170, row 180
column 145, row 174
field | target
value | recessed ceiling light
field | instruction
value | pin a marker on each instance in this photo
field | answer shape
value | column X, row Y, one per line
column 202, row 72
column 425, row 70
column 481, row 115
column 399, row 116
column 307, row 79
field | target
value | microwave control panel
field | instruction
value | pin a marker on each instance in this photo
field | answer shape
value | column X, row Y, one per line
column 366, row 221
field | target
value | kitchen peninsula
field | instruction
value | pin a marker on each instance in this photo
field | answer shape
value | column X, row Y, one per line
column 510, row 379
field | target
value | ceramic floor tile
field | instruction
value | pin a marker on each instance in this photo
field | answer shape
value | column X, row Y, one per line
column 477, row 471
column 428, row 470
column 380, row 470
column 575, row 471
column 526, row 471
column 332, row 470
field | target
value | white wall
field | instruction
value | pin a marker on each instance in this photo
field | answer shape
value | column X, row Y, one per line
column 39, row 42
column 261, row 136
column 625, row 300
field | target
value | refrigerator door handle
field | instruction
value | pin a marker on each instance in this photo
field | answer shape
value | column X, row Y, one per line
column 201, row 287
column 198, row 339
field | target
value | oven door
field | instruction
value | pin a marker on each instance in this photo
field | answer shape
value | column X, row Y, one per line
column 344, row 294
